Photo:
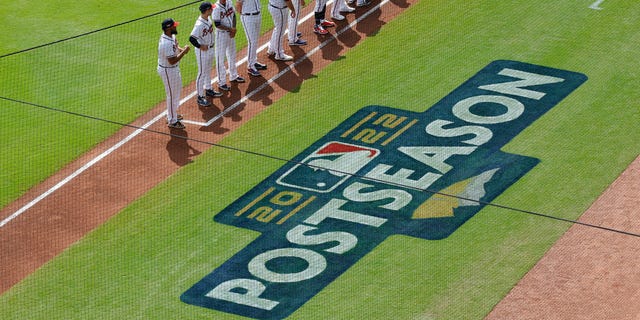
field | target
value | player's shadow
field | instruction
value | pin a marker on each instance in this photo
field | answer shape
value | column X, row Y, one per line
column 332, row 48
column 401, row 3
column 297, row 71
column 236, row 113
column 372, row 24
column 179, row 149
column 349, row 37
column 258, row 90
column 232, row 105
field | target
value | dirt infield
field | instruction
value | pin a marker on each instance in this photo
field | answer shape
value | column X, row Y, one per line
column 589, row 273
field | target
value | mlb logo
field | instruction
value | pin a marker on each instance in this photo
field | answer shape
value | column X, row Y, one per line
column 328, row 167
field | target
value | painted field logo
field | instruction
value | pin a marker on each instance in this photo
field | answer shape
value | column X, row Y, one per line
column 374, row 176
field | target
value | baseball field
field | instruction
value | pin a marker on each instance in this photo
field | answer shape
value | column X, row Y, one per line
column 477, row 134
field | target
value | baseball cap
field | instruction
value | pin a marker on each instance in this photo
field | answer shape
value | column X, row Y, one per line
column 168, row 23
column 205, row 6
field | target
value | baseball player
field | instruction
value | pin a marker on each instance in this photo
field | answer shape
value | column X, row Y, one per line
column 294, row 35
column 278, row 10
column 319, row 12
column 202, row 39
column 339, row 7
column 169, row 55
column 251, row 18
column 224, row 18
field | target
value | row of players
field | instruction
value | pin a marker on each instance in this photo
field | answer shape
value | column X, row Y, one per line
column 221, row 19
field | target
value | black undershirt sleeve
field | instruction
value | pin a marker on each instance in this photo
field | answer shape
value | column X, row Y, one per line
column 194, row 41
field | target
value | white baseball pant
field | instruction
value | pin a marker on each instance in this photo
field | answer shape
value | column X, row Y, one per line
column 173, row 87
column 251, row 24
column 225, row 48
column 205, row 64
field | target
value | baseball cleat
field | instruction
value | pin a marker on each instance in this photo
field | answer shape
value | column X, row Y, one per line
column 348, row 9
column 319, row 29
column 284, row 57
column 298, row 42
column 213, row 93
column 238, row 79
column 260, row 66
column 327, row 24
column 176, row 125
column 180, row 117
column 338, row 17
column 269, row 53
column 253, row 72
column 203, row 102
column 363, row 3
column 299, row 34
column 224, row 87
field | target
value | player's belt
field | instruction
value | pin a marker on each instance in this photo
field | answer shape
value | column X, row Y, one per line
column 251, row 14
column 161, row 66
column 278, row 7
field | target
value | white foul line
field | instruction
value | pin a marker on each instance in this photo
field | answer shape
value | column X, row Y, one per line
column 185, row 99
column 79, row 171
column 596, row 5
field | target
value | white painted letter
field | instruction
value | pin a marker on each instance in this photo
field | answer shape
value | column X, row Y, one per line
column 331, row 210
column 346, row 241
column 401, row 177
column 316, row 264
column 251, row 298
column 482, row 134
column 515, row 87
column 440, row 155
column 462, row 109
column 400, row 197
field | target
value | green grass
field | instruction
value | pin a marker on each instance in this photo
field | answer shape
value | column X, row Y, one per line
column 138, row 264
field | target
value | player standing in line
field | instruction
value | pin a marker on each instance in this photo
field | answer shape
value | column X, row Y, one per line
column 339, row 7
column 169, row 55
column 319, row 12
column 202, row 39
column 278, row 10
column 224, row 18
column 294, row 35
column 251, row 18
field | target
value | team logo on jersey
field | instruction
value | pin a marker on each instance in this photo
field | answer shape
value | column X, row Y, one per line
column 382, row 172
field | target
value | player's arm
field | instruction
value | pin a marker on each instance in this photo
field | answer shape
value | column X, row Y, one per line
column 239, row 6
column 194, row 41
column 233, row 20
column 181, row 53
column 219, row 25
column 291, row 8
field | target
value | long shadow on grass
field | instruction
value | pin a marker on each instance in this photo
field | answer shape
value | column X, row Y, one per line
column 179, row 149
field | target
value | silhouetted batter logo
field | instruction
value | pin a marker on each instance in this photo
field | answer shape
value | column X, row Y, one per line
column 383, row 171
column 328, row 167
